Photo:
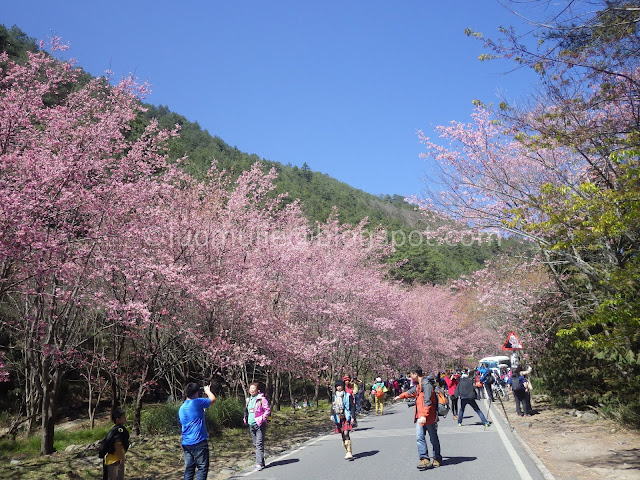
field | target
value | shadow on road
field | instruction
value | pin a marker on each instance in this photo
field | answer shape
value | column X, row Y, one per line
column 457, row 460
column 365, row 454
column 282, row 462
column 358, row 429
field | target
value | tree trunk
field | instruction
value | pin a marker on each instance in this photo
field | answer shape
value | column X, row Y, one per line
column 269, row 387
column 138, row 407
column 276, row 391
column 291, row 399
column 316, row 391
column 49, row 388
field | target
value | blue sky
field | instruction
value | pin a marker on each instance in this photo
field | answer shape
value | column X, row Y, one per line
column 341, row 85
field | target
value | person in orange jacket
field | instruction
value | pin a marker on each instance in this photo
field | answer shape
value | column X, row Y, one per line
column 426, row 417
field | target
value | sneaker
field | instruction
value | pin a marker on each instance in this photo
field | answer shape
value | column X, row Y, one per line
column 459, row 424
column 487, row 424
column 259, row 467
column 435, row 463
column 424, row 464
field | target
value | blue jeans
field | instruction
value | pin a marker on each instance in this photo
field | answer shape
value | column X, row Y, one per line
column 358, row 398
column 423, row 451
column 470, row 401
column 196, row 456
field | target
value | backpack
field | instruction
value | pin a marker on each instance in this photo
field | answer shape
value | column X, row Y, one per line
column 465, row 388
column 516, row 384
column 443, row 402
column 379, row 391
column 336, row 409
column 106, row 444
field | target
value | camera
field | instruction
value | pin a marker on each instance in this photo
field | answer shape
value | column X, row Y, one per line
column 412, row 403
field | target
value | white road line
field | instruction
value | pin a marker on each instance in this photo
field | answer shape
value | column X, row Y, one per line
column 515, row 458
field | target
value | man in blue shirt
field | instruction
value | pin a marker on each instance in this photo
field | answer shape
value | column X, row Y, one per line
column 194, row 431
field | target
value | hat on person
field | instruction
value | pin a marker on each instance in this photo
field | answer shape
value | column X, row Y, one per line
column 346, row 377
column 378, row 379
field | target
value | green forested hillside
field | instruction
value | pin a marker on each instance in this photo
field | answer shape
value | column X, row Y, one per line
column 318, row 192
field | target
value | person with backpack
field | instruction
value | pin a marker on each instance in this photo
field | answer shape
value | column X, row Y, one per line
column 341, row 416
column 194, row 431
column 466, row 392
column 426, row 418
column 377, row 391
column 519, row 388
column 256, row 413
column 114, row 447
column 442, row 397
column 487, row 380
column 479, row 387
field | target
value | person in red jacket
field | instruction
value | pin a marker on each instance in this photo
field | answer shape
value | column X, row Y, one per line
column 426, row 417
column 452, row 383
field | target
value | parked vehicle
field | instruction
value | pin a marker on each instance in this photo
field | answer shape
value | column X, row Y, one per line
column 495, row 363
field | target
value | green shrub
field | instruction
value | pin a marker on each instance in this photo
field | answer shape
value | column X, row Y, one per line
column 225, row 413
column 160, row 419
column 163, row 418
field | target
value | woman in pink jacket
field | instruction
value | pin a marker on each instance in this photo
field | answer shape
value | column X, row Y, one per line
column 256, row 415
column 452, row 383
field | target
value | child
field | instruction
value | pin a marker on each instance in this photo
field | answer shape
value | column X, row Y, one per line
column 118, row 444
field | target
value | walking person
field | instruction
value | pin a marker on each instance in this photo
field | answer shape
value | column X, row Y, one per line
column 425, row 418
column 465, row 391
column 341, row 416
column 256, row 413
column 377, row 390
column 194, row 431
column 351, row 388
column 116, row 446
column 452, row 383
column 519, row 388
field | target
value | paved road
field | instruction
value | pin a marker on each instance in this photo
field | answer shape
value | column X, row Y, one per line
column 385, row 447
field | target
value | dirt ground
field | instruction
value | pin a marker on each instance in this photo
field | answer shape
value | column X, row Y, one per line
column 574, row 448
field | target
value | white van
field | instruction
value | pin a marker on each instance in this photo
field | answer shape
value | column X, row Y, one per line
column 495, row 363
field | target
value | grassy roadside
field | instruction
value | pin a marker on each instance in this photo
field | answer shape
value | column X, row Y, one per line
column 156, row 457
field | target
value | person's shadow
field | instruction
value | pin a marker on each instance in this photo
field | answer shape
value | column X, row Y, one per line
column 457, row 460
column 279, row 463
column 365, row 454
